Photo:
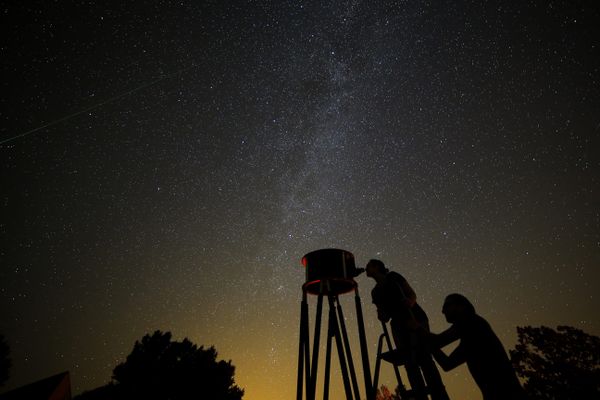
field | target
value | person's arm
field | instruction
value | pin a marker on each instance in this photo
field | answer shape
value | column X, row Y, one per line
column 382, row 315
column 448, row 363
column 445, row 338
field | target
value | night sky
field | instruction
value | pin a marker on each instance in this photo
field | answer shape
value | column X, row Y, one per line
column 165, row 165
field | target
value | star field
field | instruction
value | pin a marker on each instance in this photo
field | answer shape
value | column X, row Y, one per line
column 166, row 166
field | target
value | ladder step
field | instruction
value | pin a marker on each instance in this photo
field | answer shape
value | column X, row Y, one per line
column 396, row 357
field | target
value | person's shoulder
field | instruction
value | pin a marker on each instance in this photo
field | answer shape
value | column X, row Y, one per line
column 478, row 322
column 395, row 276
column 479, row 319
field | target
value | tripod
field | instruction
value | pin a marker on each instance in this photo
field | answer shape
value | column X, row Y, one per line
column 307, row 365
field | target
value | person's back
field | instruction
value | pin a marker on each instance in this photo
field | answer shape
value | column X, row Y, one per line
column 391, row 295
column 487, row 360
column 479, row 348
column 396, row 300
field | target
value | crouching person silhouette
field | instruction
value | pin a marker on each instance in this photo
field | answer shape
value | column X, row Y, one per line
column 397, row 301
column 479, row 347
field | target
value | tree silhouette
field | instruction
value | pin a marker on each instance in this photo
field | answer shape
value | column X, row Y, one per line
column 159, row 368
column 562, row 364
column 5, row 362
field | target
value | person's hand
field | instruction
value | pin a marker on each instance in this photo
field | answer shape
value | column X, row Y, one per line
column 383, row 316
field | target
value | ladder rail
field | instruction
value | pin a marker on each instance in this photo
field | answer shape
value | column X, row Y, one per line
column 386, row 336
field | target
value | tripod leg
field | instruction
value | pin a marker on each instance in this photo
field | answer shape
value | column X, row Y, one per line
column 340, row 348
column 364, row 348
column 306, row 345
column 301, row 347
column 310, row 395
column 347, row 348
column 328, row 360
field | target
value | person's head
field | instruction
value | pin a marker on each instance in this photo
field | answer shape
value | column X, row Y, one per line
column 375, row 268
column 457, row 307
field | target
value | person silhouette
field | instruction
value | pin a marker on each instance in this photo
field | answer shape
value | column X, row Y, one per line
column 479, row 347
column 396, row 302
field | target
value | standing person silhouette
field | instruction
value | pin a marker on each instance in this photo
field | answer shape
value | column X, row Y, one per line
column 479, row 347
column 397, row 301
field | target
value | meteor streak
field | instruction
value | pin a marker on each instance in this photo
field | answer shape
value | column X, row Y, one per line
column 97, row 105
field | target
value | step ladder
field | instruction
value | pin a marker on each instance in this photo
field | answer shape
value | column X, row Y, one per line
column 397, row 358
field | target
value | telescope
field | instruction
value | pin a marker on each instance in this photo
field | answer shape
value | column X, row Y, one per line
column 330, row 271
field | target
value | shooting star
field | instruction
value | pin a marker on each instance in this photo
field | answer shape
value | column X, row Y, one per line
column 97, row 105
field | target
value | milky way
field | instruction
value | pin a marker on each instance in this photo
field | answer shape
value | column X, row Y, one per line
column 167, row 166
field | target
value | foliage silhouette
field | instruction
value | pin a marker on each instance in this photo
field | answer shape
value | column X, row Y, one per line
column 562, row 364
column 5, row 362
column 159, row 368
